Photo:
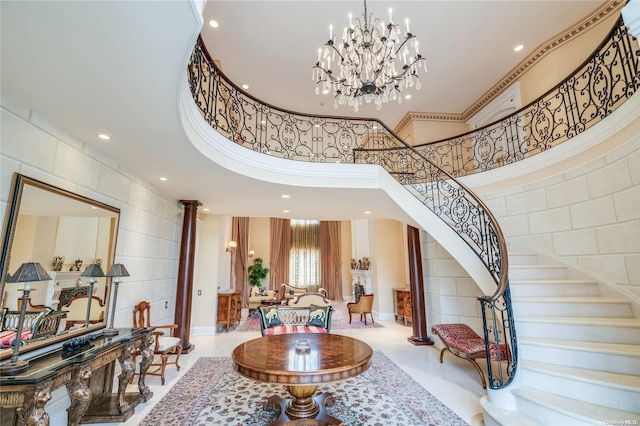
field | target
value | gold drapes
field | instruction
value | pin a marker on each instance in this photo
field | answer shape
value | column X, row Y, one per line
column 330, row 259
column 280, row 247
column 239, row 258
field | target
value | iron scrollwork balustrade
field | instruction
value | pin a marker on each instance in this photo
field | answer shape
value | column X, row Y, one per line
column 428, row 170
column 597, row 88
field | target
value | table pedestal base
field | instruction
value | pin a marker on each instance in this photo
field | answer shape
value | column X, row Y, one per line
column 303, row 408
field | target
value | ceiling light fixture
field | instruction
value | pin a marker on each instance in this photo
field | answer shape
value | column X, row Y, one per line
column 518, row 48
column 104, row 136
column 364, row 62
column 213, row 24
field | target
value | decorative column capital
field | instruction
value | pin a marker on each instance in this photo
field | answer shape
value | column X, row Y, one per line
column 191, row 203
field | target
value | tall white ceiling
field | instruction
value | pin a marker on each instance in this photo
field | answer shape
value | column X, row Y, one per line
column 117, row 67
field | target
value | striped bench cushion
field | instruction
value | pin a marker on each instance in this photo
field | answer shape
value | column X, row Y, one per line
column 8, row 336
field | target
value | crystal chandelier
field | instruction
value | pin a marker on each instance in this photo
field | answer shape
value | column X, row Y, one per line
column 373, row 62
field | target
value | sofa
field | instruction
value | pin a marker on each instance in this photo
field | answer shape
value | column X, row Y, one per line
column 37, row 324
column 280, row 319
column 257, row 295
column 308, row 299
column 77, row 311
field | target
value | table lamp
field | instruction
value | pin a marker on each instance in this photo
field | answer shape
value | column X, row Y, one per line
column 92, row 271
column 117, row 270
column 26, row 273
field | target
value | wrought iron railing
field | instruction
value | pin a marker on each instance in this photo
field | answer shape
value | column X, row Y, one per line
column 427, row 171
column 597, row 88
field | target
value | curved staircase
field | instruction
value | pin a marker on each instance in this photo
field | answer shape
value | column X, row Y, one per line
column 579, row 348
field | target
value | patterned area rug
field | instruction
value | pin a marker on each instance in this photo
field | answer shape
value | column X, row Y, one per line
column 211, row 393
column 339, row 320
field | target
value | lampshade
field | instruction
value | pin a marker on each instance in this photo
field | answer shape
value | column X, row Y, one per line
column 118, row 270
column 94, row 270
column 30, row 271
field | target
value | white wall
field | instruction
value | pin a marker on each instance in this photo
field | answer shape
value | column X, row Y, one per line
column 587, row 216
column 150, row 225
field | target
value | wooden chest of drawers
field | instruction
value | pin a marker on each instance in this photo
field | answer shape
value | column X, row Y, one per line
column 402, row 304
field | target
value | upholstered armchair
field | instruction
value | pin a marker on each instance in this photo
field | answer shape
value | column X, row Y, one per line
column 362, row 307
column 165, row 345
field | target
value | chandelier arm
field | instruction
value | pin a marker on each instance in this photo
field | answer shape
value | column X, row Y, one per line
column 405, row 42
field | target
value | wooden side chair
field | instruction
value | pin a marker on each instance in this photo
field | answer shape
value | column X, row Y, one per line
column 362, row 307
column 165, row 346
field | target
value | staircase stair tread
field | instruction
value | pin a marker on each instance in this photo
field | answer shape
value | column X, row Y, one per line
column 600, row 347
column 618, row 380
column 616, row 322
column 569, row 299
column 588, row 412
column 551, row 282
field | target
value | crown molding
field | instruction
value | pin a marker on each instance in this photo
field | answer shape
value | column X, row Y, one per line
column 598, row 15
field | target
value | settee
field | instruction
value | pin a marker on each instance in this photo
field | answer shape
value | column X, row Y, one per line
column 310, row 298
column 257, row 295
column 37, row 324
column 77, row 311
column 281, row 319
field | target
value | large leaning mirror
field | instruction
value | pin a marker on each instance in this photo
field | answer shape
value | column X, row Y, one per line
column 64, row 232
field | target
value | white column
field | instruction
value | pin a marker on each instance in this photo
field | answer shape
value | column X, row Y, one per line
column 631, row 16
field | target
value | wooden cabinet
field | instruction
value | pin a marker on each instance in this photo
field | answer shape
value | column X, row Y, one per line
column 229, row 309
column 402, row 304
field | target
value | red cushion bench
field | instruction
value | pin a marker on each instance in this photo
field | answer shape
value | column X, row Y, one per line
column 463, row 342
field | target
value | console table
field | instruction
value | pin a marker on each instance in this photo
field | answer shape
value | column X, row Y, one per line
column 87, row 373
column 229, row 309
column 402, row 304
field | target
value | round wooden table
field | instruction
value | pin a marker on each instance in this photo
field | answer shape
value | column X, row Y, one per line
column 275, row 359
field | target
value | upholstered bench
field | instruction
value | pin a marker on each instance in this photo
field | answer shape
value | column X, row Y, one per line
column 281, row 319
column 463, row 342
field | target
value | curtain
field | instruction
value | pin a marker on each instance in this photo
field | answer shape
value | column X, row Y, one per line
column 330, row 259
column 304, row 257
column 239, row 258
column 280, row 245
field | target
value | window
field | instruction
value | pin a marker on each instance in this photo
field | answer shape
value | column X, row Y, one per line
column 304, row 254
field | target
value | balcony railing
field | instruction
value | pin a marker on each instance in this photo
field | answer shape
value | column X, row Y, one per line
column 429, row 171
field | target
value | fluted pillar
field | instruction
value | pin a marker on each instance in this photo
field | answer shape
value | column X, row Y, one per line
column 416, row 283
column 185, row 273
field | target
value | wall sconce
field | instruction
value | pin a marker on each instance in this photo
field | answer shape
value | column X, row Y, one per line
column 231, row 246
column 117, row 270
column 251, row 253
column 92, row 271
column 26, row 273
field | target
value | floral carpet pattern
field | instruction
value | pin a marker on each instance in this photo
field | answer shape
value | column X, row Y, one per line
column 211, row 393
column 339, row 320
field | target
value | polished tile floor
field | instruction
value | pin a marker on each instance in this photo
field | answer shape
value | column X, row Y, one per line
column 456, row 382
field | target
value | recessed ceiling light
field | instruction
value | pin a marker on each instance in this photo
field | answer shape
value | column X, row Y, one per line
column 245, row 86
column 205, row 210
column 213, row 24
column 408, row 97
column 518, row 48
column 104, row 137
column 285, row 196
column 367, row 212
column 286, row 211
column 163, row 178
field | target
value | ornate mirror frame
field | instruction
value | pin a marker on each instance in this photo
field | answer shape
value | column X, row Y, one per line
column 56, row 204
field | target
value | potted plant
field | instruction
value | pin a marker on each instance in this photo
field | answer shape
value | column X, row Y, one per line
column 257, row 272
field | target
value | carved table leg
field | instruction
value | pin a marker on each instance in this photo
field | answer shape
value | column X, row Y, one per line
column 32, row 412
column 79, row 393
column 128, row 369
column 146, row 350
